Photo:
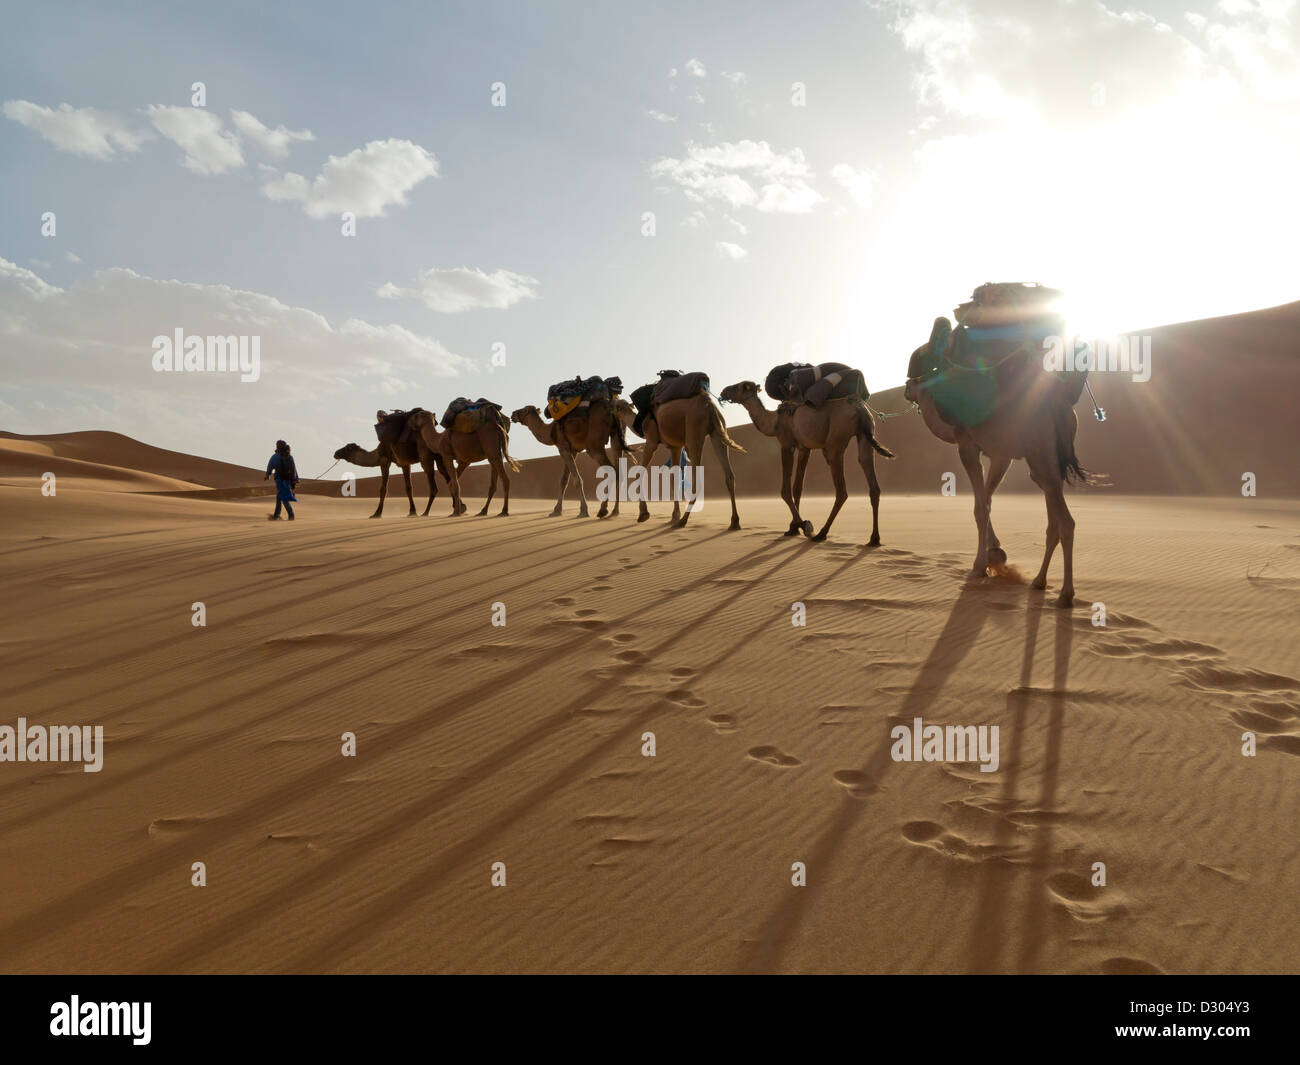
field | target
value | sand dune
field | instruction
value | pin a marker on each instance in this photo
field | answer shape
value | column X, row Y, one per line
column 522, row 744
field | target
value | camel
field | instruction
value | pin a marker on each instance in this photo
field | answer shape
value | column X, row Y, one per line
column 398, row 447
column 683, row 424
column 828, row 429
column 567, row 441
column 588, row 429
column 1032, row 419
column 490, row 441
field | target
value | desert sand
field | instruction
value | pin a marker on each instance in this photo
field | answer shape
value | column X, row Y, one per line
column 522, row 744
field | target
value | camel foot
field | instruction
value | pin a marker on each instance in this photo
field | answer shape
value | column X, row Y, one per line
column 1065, row 600
column 645, row 516
column 820, row 537
column 377, row 514
column 504, row 514
column 412, row 514
column 997, row 557
column 735, row 524
column 584, row 514
column 806, row 528
column 874, row 542
column 978, row 574
column 555, row 513
column 1038, row 583
column 680, row 523
column 482, row 513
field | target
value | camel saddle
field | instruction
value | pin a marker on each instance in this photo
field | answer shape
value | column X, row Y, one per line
column 568, row 396
column 814, row 385
column 673, row 384
column 468, row 416
column 399, row 420
column 973, row 366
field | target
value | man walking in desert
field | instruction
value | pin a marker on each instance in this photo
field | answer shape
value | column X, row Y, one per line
column 286, row 479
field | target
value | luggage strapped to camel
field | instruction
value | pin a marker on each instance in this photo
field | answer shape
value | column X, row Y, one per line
column 564, row 398
column 672, row 384
column 798, row 382
column 999, row 329
column 468, row 416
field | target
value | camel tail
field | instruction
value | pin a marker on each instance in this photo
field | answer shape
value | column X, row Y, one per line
column 1072, row 471
column 505, row 449
column 720, row 427
column 867, row 425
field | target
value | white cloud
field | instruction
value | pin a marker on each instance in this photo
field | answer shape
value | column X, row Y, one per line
column 73, row 257
column 743, row 174
column 696, row 97
column 464, row 289
column 275, row 142
column 695, row 68
column 98, row 334
column 366, row 181
column 733, row 252
column 209, row 147
column 859, row 183
column 659, row 116
column 79, row 130
column 736, row 77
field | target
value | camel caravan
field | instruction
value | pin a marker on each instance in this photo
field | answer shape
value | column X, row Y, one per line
column 981, row 385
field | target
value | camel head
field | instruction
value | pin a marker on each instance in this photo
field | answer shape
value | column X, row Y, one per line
column 421, row 420
column 348, row 450
column 524, row 413
column 739, row 392
column 624, row 412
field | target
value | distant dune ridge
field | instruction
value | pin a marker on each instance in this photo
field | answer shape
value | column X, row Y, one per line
column 1220, row 392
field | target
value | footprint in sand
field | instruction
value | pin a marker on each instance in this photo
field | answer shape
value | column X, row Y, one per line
column 564, row 600
column 586, row 613
column 685, row 697
column 633, row 658
column 681, row 672
column 601, row 587
column 166, row 825
column 773, row 756
column 623, row 637
column 856, row 782
column 1076, row 895
column 950, row 845
column 723, row 723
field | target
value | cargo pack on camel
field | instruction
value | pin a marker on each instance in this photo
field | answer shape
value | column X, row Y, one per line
column 798, row 382
column 564, row 398
column 468, row 416
column 672, row 384
column 1000, row 330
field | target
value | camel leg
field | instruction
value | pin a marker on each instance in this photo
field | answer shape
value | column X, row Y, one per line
column 410, row 496
column 787, row 466
column 652, row 442
column 835, row 460
column 674, row 463
column 492, row 490
column 433, row 485
column 997, row 470
column 564, row 484
column 970, row 459
column 1060, row 528
column 801, row 468
column 724, row 460
column 383, row 488
column 505, row 489
column 457, row 507
column 694, row 446
column 576, row 475
column 867, row 460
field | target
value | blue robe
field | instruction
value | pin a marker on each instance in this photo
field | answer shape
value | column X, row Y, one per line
column 283, row 486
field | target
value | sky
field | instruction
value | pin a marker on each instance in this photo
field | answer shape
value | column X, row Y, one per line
column 545, row 190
